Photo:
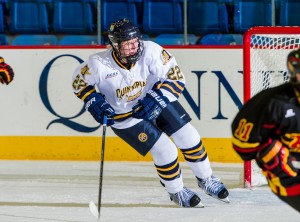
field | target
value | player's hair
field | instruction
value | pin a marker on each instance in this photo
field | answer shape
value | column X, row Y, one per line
column 293, row 65
column 123, row 30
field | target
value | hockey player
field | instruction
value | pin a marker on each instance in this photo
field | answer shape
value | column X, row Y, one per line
column 6, row 72
column 267, row 129
column 138, row 85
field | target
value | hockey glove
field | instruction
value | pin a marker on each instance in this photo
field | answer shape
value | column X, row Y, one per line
column 150, row 107
column 277, row 160
column 6, row 72
column 98, row 107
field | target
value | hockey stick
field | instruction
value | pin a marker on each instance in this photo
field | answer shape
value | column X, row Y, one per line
column 96, row 210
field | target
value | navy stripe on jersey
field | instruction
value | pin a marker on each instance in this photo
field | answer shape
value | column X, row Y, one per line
column 85, row 92
column 174, row 87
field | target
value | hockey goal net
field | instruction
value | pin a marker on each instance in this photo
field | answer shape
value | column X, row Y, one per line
column 265, row 51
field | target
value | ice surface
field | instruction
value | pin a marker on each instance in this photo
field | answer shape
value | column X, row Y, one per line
column 44, row 191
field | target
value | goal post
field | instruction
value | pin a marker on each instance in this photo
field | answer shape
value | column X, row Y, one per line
column 265, row 50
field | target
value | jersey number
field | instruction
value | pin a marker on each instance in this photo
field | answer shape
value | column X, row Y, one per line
column 175, row 73
column 243, row 131
column 79, row 83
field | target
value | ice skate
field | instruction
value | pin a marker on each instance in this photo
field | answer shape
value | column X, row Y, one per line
column 186, row 198
column 214, row 187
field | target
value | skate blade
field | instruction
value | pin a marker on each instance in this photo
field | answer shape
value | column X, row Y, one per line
column 226, row 200
column 199, row 205
column 94, row 210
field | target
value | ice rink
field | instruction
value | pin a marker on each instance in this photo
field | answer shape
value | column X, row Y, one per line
column 44, row 191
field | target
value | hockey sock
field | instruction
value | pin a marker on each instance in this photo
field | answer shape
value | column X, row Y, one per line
column 188, row 140
column 165, row 156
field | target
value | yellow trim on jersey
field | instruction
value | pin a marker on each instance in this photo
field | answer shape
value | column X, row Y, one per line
column 78, row 94
column 120, row 116
column 168, row 86
column 244, row 144
column 88, row 93
column 273, row 152
column 159, row 85
column 119, row 62
column 292, row 143
column 178, row 86
column 286, row 166
column 275, row 184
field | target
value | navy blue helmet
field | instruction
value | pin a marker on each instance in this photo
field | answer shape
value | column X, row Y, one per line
column 123, row 30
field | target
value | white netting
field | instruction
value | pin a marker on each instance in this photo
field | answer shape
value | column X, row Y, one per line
column 268, row 54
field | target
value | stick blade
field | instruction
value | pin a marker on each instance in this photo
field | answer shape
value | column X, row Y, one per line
column 94, row 210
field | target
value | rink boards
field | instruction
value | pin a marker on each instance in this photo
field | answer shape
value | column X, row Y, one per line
column 42, row 119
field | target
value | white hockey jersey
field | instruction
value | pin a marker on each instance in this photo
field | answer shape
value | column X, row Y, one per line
column 122, row 87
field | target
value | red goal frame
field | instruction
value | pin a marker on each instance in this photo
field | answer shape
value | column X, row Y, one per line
column 247, row 72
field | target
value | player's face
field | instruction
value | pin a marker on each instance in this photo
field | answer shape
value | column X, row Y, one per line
column 128, row 48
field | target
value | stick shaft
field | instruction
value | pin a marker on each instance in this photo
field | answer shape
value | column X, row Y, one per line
column 102, row 163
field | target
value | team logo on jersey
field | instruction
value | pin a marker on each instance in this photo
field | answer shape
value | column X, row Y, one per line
column 166, row 56
column 289, row 113
column 131, row 92
column 143, row 137
column 85, row 70
column 111, row 75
